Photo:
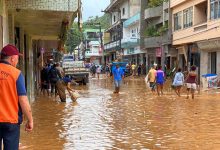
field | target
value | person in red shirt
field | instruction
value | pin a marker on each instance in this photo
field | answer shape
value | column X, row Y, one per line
column 13, row 99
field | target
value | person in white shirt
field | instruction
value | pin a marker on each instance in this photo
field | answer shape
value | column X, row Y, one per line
column 178, row 81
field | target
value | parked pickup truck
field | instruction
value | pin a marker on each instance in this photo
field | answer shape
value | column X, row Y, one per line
column 77, row 70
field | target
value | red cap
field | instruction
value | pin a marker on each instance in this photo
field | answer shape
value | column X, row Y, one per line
column 10, row 50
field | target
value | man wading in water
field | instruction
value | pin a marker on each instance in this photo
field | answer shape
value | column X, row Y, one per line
column 62, row 85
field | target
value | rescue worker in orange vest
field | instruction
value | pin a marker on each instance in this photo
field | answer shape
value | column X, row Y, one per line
column 13, row 99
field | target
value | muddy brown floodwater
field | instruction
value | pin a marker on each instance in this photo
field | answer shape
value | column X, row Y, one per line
column 134, row 119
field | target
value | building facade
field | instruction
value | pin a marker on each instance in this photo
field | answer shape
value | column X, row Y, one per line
column 31, row 26
column 92, row 45
column 156, row 36
column 196, row 34
column 120, row 11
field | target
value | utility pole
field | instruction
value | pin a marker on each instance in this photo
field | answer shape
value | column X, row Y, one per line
column 143, row 26
column 101, row 40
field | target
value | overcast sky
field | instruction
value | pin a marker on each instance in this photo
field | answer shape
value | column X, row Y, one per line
column 93, row 8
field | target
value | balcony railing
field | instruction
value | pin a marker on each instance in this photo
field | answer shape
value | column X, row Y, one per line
column 113, row 45
column 132, row 20
column 152, row 42
column 200, row 27
column 130, row 42
column 153, row 12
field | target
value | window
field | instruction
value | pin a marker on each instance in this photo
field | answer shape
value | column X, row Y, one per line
column 188, row 17
column 114, row 18
column 133, row 33
column 178, row 21
column 215, row 9
column 123, row 11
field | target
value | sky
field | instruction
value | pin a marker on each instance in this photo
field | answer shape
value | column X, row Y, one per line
column 93, row 8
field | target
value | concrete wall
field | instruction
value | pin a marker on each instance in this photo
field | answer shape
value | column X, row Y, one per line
column 191, row 34
column 52, row 5
column 116, row 14
column 125, row 5
column 218, row 64
column 135, row 7
column 199, row 14
column 30, row 67
column 5, row 24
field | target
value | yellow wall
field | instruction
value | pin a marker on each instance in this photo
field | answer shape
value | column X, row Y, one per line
column 188, row 35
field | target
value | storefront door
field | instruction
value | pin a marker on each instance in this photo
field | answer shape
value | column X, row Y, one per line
column 213, row 62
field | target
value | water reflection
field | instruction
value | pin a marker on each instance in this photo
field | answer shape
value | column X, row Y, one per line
column 133, row 119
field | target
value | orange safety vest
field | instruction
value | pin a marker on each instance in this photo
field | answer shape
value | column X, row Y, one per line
column 9, row 106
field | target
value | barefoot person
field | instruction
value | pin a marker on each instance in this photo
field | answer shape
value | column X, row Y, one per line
column 160, row 80
column 178, row 81
column 191, row 81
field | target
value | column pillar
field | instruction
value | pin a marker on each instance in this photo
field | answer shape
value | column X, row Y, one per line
column 30, row 68
column 11, row 28
column 21, row 61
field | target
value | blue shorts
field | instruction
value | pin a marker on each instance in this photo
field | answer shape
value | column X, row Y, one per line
column 10, row 134
column 117, row 83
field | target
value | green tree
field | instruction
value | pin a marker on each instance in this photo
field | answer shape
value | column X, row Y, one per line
column 155, row 3
column 74, row 37
column 103, row 20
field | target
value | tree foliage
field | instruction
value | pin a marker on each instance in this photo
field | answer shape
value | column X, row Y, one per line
column 155, row 3
column 74, row 37
column 103, row 20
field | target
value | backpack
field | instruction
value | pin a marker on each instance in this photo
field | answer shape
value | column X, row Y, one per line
column 53, row 73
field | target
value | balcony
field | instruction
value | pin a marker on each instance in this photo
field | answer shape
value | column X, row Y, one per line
column 153, row 12
column 132, row 20
column 43, row 18
column 48, row 5
column 200, row 27
column 113, row 45
column 152, row 42
column 113, row 5
column 129, row 42
column 174, row 3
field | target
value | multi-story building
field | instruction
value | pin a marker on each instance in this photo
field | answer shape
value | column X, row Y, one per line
column 93, row 48
column 196, row 34
column 94, row 53
column 119, row 10
column 157, row 35
column 130, row 43
column 29, row 25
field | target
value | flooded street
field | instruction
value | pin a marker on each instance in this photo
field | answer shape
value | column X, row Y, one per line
column 134, row 119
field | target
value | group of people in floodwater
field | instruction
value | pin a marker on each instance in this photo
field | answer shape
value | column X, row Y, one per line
column 53, row 77
column 156, row 79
